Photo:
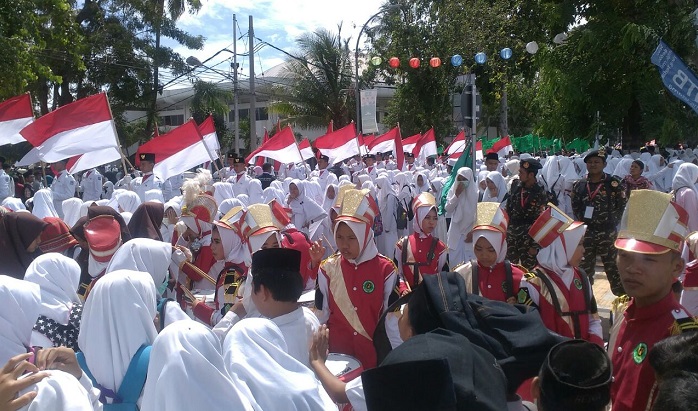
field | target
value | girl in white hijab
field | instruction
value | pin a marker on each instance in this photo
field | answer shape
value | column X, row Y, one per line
column 222, row 191
column 71, row 210
column 187, row 372
column 15, row 204
column 117, row 320
column 128, row 202
column 685, row 194
column 481, row 184
column 437, row 186
column 461, row 202
column 255, row 192
column 43, row 204
column 227, row 205
column 305, row 210
column 61, row 309
column 387, row 203
column 256, row 357
column 496, row 191
column 421, row 183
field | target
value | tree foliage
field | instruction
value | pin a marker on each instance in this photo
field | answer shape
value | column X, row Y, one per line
column 321, row 88
column 210, row 99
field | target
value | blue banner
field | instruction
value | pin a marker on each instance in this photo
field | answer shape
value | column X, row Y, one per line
column 677, row 77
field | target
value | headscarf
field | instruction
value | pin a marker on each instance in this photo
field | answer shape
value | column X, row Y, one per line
column 59, row 391
column 143, row 254
column 255, row 354
column 13, row 204
column 155, row 196
column 364, row 234
column 128, row 201
column 21, row 304
column 327, row 202
column 59, row 278
column 384, row 189
column 501, row 184
column 186, row 372
column 481, row 177
column 304, row 205
column 425, row 180
column 234, row 249
column 557, row 255
column 17, row 232
column 464, row 215
column 244, row 199
column 146, row 221
column 255, row 242
column 56, row 236
column 116, row 320
column 497, row 240
column 43, row 204
column 222, row 191
column 107, row 190
column 255, row 191
column 623, row 167
column 71, row 210
column 420, row 214
column 227, row 205
column 685, row 176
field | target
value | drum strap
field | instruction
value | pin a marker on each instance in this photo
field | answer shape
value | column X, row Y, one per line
column 338, row 288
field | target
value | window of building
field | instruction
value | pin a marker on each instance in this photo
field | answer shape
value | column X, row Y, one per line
column 262, row 113
column 173, row 120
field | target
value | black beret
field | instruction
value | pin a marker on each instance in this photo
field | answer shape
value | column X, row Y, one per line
column 530, row 164
column 238, row 159
column 276, row 259
column 600, row 153
column 369, row 155
column 492, row 156
column 408, row 154
column 147, row 157
column 231, row 154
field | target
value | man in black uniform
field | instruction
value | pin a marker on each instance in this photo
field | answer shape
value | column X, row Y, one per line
column 599, row 200
column 266, row 177
column 527, row 199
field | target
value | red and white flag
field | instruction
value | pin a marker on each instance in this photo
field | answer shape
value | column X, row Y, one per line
column 426, row 145
column 478, row 151
column 502, row 147
column 15, row 114
column 77, row 128
column 177, row 151
column 390, row 141
column 457, row 145
column 306, row 149
column 339, row 145
column 282, row 147
column 207, row 129
column 97, row 158
column 410, row 143
column 259, row 161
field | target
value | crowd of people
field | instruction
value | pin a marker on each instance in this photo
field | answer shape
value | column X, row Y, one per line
column 352, row 285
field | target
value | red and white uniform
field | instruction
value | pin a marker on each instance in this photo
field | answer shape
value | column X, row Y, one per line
column 419, row 247
column 491, row 280
column 226, row 293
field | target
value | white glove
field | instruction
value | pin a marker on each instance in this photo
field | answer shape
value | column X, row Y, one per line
column 127, row 179
column 179, row 258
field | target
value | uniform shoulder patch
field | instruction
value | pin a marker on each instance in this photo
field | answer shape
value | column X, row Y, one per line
column 523, row 297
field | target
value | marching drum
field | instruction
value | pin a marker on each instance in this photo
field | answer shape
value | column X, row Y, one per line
column 343, row 366
column 208, row 296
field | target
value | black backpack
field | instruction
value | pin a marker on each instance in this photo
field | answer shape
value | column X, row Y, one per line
column 401, row 216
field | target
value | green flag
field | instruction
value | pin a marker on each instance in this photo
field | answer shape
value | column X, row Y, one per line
column 465, row 160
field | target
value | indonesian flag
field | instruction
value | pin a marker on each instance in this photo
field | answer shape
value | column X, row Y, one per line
column 306, row 149
column 77, row 128
column 208, row 132
column 426, row 145
column 458, row 144
column 366, row 142
column 478, row 152
column 390, row 141
column 340, row 144
column 502, row 147
column 84, row 162
column 282, row 147
column 177, row 151
column 15, row 114
column 260, row 160
column 410, row 143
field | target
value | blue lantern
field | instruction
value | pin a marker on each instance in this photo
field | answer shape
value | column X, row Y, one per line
column 480, row 58
column 506, row 53
column 456, row 60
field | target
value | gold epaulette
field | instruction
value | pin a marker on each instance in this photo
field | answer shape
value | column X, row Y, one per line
column 391, row 261
column 331, row 256
column 520, row 267
column 683, row 322
column 529, row 275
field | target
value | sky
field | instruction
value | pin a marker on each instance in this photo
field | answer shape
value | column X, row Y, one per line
column 278, row 22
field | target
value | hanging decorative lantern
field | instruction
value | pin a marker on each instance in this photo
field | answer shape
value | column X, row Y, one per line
column 456, row 60
column 376, row 60
column 532, row 47
column 435, row 62
column 414, row 62
column 394, row 62
column 481, row 58
column 506, row 53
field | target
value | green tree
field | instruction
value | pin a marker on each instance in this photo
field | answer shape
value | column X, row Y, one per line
column 210, row 99
column 320, row 88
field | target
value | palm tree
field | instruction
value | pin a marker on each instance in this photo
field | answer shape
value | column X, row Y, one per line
column 320, row 82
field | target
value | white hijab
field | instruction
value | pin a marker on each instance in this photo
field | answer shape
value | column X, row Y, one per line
column 60, row 391
column 501, row 184
column 328, row 202
column 255, row 354
column 117, row 319
column 557, row 255
column 425, row 183
column 59, row 278
column 464, row 215
column 128, row 201
column 304, row 205
column 154, row 195
column 255, row 192
column 143, row 254
column 685, row 176
column 14, row 204
column 222, row 191
column 233, row 247
column 186, row 372
column 21, row 304
column 43, row 204
column 420, row 214
column 364, row 234
column 497, row 240
column 255, row 242
column 71, row 211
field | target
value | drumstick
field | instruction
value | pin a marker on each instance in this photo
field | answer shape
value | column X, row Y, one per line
column 188, row 293
column 328, row 243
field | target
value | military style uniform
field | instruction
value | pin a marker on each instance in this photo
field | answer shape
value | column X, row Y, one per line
column 600, row 206
column 524, row 207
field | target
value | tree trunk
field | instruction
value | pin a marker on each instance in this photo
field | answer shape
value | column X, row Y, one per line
column 152, row 110
column 503, row 113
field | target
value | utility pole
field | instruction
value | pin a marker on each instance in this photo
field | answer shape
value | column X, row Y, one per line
column 253, row 97
column 235, row 87
column 473, row 128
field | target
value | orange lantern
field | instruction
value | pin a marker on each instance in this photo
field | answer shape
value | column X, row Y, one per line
column 414, row 62
column 435, row 62
column 394, row 62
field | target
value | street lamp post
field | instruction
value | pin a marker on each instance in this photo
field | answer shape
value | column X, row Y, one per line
column 356, row 62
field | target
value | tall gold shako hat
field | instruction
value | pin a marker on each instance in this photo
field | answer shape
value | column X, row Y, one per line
column 259, row 219
column 358, row 206
column 490, row 216
column 550, row 225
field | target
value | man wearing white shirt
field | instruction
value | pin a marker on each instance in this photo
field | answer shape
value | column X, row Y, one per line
column 226, row 172
column 239, row 178
column 371, row 168
column 148, row 181
column 91, row 185
column 323, row 173
column 63, row 186
column 410, row 165
column 7, row 186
